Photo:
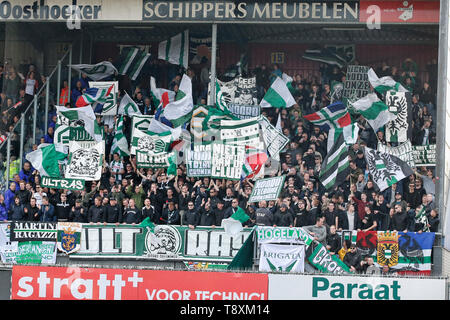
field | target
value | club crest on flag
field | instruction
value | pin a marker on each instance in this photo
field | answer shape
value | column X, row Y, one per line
column 148, row 144
column 164, row 242
column 69, row 235
column 84, row 162
column 387, row 248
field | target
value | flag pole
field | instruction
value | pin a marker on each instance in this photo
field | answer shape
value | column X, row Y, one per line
column 213, row 64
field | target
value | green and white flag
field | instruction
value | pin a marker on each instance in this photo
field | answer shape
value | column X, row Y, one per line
column 375, row 111
column 84, row 117
column 131, row 61
column 233, row 224
column 128, row 107
column 384, row 84
column 278, row 96
column 152, row 150
column 179, row 111
column 157, row 93
column 176, row 49
column 288, row 81
column 45, row 160
column 120, row 143
column 282, row 258
column 335, row 167
column 97, row 71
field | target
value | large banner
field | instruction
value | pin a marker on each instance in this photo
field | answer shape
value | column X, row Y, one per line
column 375, row 288
column 33, row 231
column 85, row 163
column 282, row 258
column 424, row 156
column 109, row 108
column 198, row 160
column 132, row 284
column 267, row 189
column 69, row 236
column 165, row 243
column 27, row 252
column 227, row 161
column 283, row 235
column 241, row 97
column 404, row 253
column 356, row 83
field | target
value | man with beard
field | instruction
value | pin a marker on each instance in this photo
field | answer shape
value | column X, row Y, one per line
column 132, row 214
column 301, row 214
column 170, row 214
column 149, row 211
column 333, row 241
column 207, row 217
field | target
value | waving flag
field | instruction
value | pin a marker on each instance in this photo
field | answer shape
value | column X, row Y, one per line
column 128, row 107
column 253, row 163
column 93, row 95
column 178, row 112
column 325, row 55
column 335, row 167
column 384, row 84
column 278, row 96
column 97, row 71
column 160, row 94
column 176, row 49
column 120, row 143
column 333, row 116
column 83, row 116
column 375, row 111
column 131, row 61
column 45, row 160
column 385, row 169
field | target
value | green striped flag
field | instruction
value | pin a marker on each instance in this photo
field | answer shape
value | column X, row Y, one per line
column 120, row 143
column 278, row 96
column 384, row 84
column 131, row 61
column 128, row 107
column 45, row 160
column 176, row 49
column 335, row 167
column 375, row 111
column 83, row 116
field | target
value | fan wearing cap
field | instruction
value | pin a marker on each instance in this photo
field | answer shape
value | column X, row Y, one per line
column 113, row 212
column 282, row 217
column 353, row 258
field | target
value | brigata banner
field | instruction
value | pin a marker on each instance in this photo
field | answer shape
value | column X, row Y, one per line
column 33, row 231
column 165, row 243
column 328, row 287
column 61, row 183
column 424, row 156
column 282, row 258
column 267, row 189
column 73, row 283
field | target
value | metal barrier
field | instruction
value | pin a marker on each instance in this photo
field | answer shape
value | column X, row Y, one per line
column 33, row 123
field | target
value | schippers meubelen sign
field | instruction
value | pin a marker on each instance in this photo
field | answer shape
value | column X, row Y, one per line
column 33, row 231
column 232, row 11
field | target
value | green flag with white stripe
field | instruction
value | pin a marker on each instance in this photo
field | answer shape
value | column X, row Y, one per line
column 120, row 143
column 131, row 61
column 375, row 111
column 278, row 96
column 176, row 49
column 128, row 107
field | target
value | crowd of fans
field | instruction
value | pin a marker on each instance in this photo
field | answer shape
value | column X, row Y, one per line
column 127, row 194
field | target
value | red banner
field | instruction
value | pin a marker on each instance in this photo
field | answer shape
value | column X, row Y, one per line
column 59, row 283
column 400, row 11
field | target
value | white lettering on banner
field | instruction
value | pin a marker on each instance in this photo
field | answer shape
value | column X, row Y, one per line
column 213, row 244
column 123, row 237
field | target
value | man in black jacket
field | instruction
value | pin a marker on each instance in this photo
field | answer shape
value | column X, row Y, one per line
column 96, row 212
column 191, row 215
column 113, row 212
column 78, row 212
column 170, row 214
column 219, row 213
column 353, row 258
column 207, row 217
column 263, row 215
column 399, row 220
column 62, row 208
column 333, row 241
column 32, row 210
column 149, row 211
column 132, row 214
column 282, row 217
